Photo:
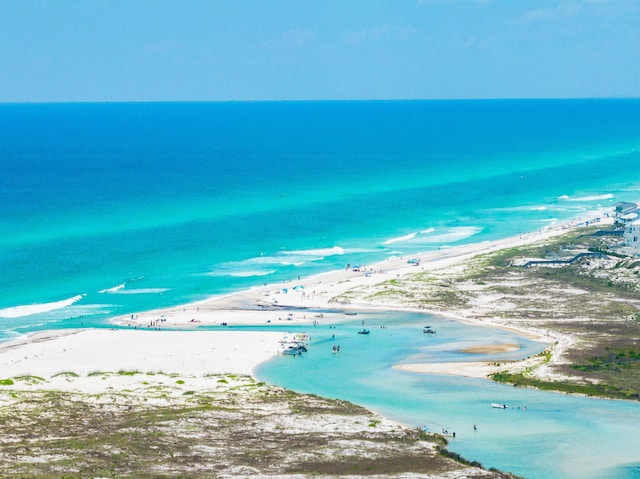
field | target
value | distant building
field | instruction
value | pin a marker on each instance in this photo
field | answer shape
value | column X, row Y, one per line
column 626, row 213
column 632, row 237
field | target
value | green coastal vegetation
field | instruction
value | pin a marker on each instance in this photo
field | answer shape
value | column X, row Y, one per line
column 164, row 425
column 605, row 361
column 234, row 426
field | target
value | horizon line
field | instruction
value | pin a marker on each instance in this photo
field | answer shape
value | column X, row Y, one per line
column 356, row 100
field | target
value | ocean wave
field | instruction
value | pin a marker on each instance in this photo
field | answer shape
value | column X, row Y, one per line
column 450, row 235
column 31, row 309
column 432, row 235
column 263, row 265
column 143, row 291
column 115, row 289
column 606, row 196
column 252, row 267
column 76, row 310
column 400, row 239
column 300, row 261
column 10, row 335
column 324, row 252
column 522, row 208
column 242, row 274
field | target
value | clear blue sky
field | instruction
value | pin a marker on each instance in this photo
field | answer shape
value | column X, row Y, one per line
column 120, row 50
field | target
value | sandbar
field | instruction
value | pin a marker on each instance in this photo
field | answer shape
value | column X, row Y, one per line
column 491, row 348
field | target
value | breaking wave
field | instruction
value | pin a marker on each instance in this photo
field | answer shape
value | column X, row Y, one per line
column 432, row 235
column 143, row 291
column 400, row 239
column 607, row 196
column 115, row 289
column 324, row 252
column 31, row 309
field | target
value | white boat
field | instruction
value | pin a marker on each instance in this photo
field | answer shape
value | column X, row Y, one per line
column 499, row 406
column 295, row 344
column 428, row 330
column 294, row 350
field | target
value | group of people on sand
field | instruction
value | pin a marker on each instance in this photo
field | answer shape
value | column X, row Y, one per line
column 154, row 323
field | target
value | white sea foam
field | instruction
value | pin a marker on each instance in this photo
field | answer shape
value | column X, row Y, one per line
column 408, row 237
column 242, row 274
column 450, row 235
column 607, row 196
column 263, row 265
column 115, row 289
column 521, row 208
column 324, row 252
column 431, row 235
column 258, row 266
column 75, row 311
column 298, row 260
column 143, row 291
column 30, row 309
column 89, row 309
column 10, row 335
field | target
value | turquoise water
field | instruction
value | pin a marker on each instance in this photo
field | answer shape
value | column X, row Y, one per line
column 540, row 435
column 109, row 209
column 112, row 209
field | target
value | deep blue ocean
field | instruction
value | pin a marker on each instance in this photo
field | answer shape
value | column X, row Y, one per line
column 109, row 209
column 112, row 209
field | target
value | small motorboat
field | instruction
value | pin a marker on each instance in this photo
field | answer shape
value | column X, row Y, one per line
column 498, row 406
column 364, row 331
column 428, row 330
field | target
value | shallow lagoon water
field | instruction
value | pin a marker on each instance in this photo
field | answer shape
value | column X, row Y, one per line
column 540, row 435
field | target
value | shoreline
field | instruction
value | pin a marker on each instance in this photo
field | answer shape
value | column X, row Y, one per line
column 280, row 304
column 284, row 303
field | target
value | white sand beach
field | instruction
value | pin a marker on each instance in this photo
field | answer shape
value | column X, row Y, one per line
column 58, row 356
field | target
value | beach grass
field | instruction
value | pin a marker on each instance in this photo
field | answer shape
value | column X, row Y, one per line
column 569, row 387
column 69, row 374
column 207, row 433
